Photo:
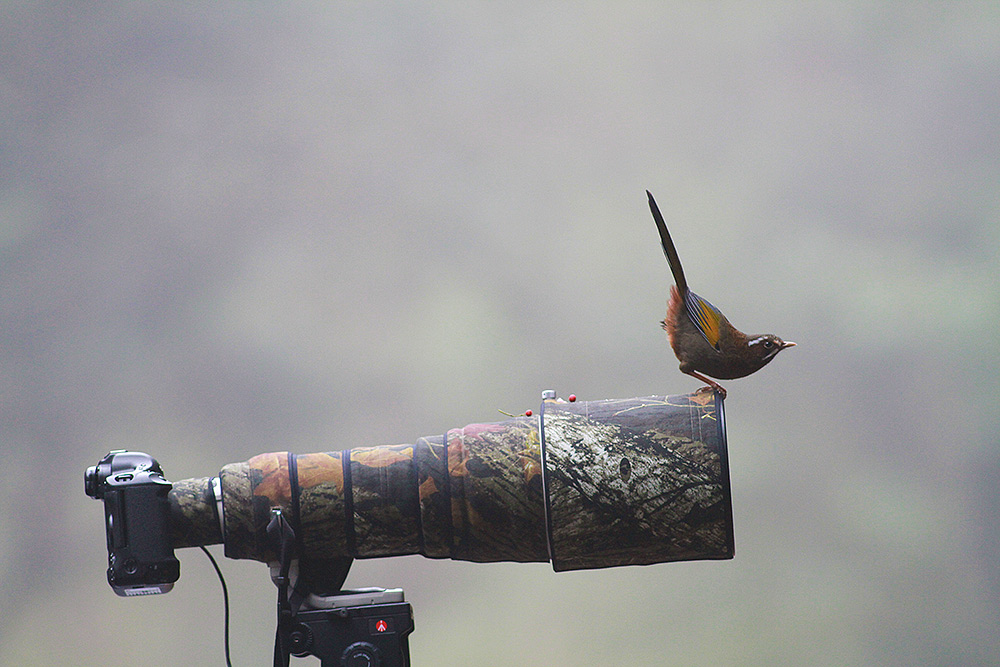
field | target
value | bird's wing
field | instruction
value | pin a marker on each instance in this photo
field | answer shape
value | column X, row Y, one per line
column 705, row 316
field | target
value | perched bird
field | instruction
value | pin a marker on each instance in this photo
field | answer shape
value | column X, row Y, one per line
column 702, row 338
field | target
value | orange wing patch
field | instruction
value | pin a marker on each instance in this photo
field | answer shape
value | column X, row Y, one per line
column 706, row 317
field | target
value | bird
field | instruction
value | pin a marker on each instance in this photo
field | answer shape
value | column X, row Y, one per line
column 702, row 338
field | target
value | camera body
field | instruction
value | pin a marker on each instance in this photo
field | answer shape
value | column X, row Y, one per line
column 137, row 520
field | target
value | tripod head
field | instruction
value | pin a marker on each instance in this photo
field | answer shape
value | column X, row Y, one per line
column 363, row 627
column 366, row 627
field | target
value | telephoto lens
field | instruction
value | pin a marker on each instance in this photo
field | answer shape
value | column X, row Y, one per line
column 586, row 484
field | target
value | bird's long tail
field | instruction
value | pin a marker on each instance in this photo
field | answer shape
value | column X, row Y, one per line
column 668, row 248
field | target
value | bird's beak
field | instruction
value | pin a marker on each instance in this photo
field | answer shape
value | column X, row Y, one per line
column 787, row 343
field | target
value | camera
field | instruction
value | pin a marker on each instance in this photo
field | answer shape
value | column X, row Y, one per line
column 137, row 520
column 584, row 485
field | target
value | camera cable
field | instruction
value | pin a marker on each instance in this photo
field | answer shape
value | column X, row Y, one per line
column 225, row 603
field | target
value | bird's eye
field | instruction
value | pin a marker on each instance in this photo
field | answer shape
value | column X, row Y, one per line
column 768, row 344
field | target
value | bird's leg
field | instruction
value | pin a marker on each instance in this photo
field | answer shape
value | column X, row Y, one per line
column 712, row 384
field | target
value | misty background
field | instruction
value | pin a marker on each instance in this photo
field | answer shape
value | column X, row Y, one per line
column 233, row 228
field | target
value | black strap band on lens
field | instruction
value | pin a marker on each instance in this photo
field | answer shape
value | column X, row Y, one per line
column 294, row 491
column 546, row 395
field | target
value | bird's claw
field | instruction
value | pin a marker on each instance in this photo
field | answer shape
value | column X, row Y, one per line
column 708, row 389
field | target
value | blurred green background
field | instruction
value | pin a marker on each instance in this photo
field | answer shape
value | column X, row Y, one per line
column 231, row 228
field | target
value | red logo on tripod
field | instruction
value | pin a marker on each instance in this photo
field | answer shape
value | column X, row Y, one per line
column 381, row 626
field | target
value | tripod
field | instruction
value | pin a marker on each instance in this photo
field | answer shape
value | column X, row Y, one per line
column 366, row 627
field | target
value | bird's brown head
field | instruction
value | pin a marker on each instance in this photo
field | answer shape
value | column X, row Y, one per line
column 761, row 349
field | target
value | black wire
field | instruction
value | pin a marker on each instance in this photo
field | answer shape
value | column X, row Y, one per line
column 225, row 602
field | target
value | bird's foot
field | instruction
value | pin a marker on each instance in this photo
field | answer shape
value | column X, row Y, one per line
column 711, row 390
column 712, row 385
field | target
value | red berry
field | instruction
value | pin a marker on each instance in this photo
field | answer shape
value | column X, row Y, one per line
column 572, row 397
column 527, row 413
